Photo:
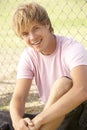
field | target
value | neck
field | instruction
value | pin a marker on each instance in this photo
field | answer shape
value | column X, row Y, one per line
column 51, row 46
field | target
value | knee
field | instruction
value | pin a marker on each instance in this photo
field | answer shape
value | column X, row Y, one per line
column 62, row 84
column 65, row 82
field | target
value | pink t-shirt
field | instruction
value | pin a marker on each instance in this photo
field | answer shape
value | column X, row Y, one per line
column 48, row 68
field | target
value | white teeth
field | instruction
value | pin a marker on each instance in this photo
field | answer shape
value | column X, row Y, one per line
column 35, row 43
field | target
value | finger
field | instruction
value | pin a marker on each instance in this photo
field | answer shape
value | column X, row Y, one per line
column 22, row 126
column 29, row 122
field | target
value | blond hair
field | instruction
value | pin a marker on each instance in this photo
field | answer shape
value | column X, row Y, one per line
column 28, row 13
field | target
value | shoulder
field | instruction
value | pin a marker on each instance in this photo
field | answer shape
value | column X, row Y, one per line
column 28, row 50
column 29, row 53
column 73, row 52
column 66, row 41
column 68, row 44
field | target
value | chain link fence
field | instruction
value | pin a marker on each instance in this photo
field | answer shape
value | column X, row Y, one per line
column 69, row 17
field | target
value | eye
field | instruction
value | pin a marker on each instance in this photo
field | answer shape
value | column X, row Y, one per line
column 36, row 28
column 25, row 34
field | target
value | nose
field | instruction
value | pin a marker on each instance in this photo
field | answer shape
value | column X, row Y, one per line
column 31, row 36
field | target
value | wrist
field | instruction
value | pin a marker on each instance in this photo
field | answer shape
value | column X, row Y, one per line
column 15, row 123
column 38, row 121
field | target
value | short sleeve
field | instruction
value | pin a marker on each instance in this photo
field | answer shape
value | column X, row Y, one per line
column 75, row 55
column 25, row 66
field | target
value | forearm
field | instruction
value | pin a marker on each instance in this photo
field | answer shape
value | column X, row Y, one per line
column 55, row 97
column 64, row 105
column 70, row 100
column 60, row 87
column 17, row 109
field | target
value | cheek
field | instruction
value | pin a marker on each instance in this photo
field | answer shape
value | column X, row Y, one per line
column 28, row 43
column 26, row 40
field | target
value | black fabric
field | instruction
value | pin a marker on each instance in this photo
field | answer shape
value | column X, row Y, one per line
column 31, row 116
column 5, row 121
column 83, row 118
column 75, row 120
column 71, row 121
column 6, row 126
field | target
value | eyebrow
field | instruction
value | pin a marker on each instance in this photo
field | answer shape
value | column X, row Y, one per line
column 24, row 33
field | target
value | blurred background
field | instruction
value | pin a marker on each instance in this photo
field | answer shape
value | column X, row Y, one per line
column 69, row 18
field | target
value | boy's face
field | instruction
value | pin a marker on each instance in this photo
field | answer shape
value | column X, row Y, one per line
column 37, row 36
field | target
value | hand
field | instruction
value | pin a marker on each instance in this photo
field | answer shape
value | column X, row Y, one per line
column 37, row 122
column 25, row 124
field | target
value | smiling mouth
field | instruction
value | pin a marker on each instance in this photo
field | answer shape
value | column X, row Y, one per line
column 36, row 43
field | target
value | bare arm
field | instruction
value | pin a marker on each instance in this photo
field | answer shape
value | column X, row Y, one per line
column 17, row 104
column 69, row 101
column 60, row 87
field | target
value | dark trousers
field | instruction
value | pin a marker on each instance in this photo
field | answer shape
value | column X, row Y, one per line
column 75, row 120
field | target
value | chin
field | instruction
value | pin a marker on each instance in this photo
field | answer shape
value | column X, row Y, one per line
column 37, row 49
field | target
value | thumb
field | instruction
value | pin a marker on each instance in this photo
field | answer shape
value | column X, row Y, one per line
column 29, row 122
